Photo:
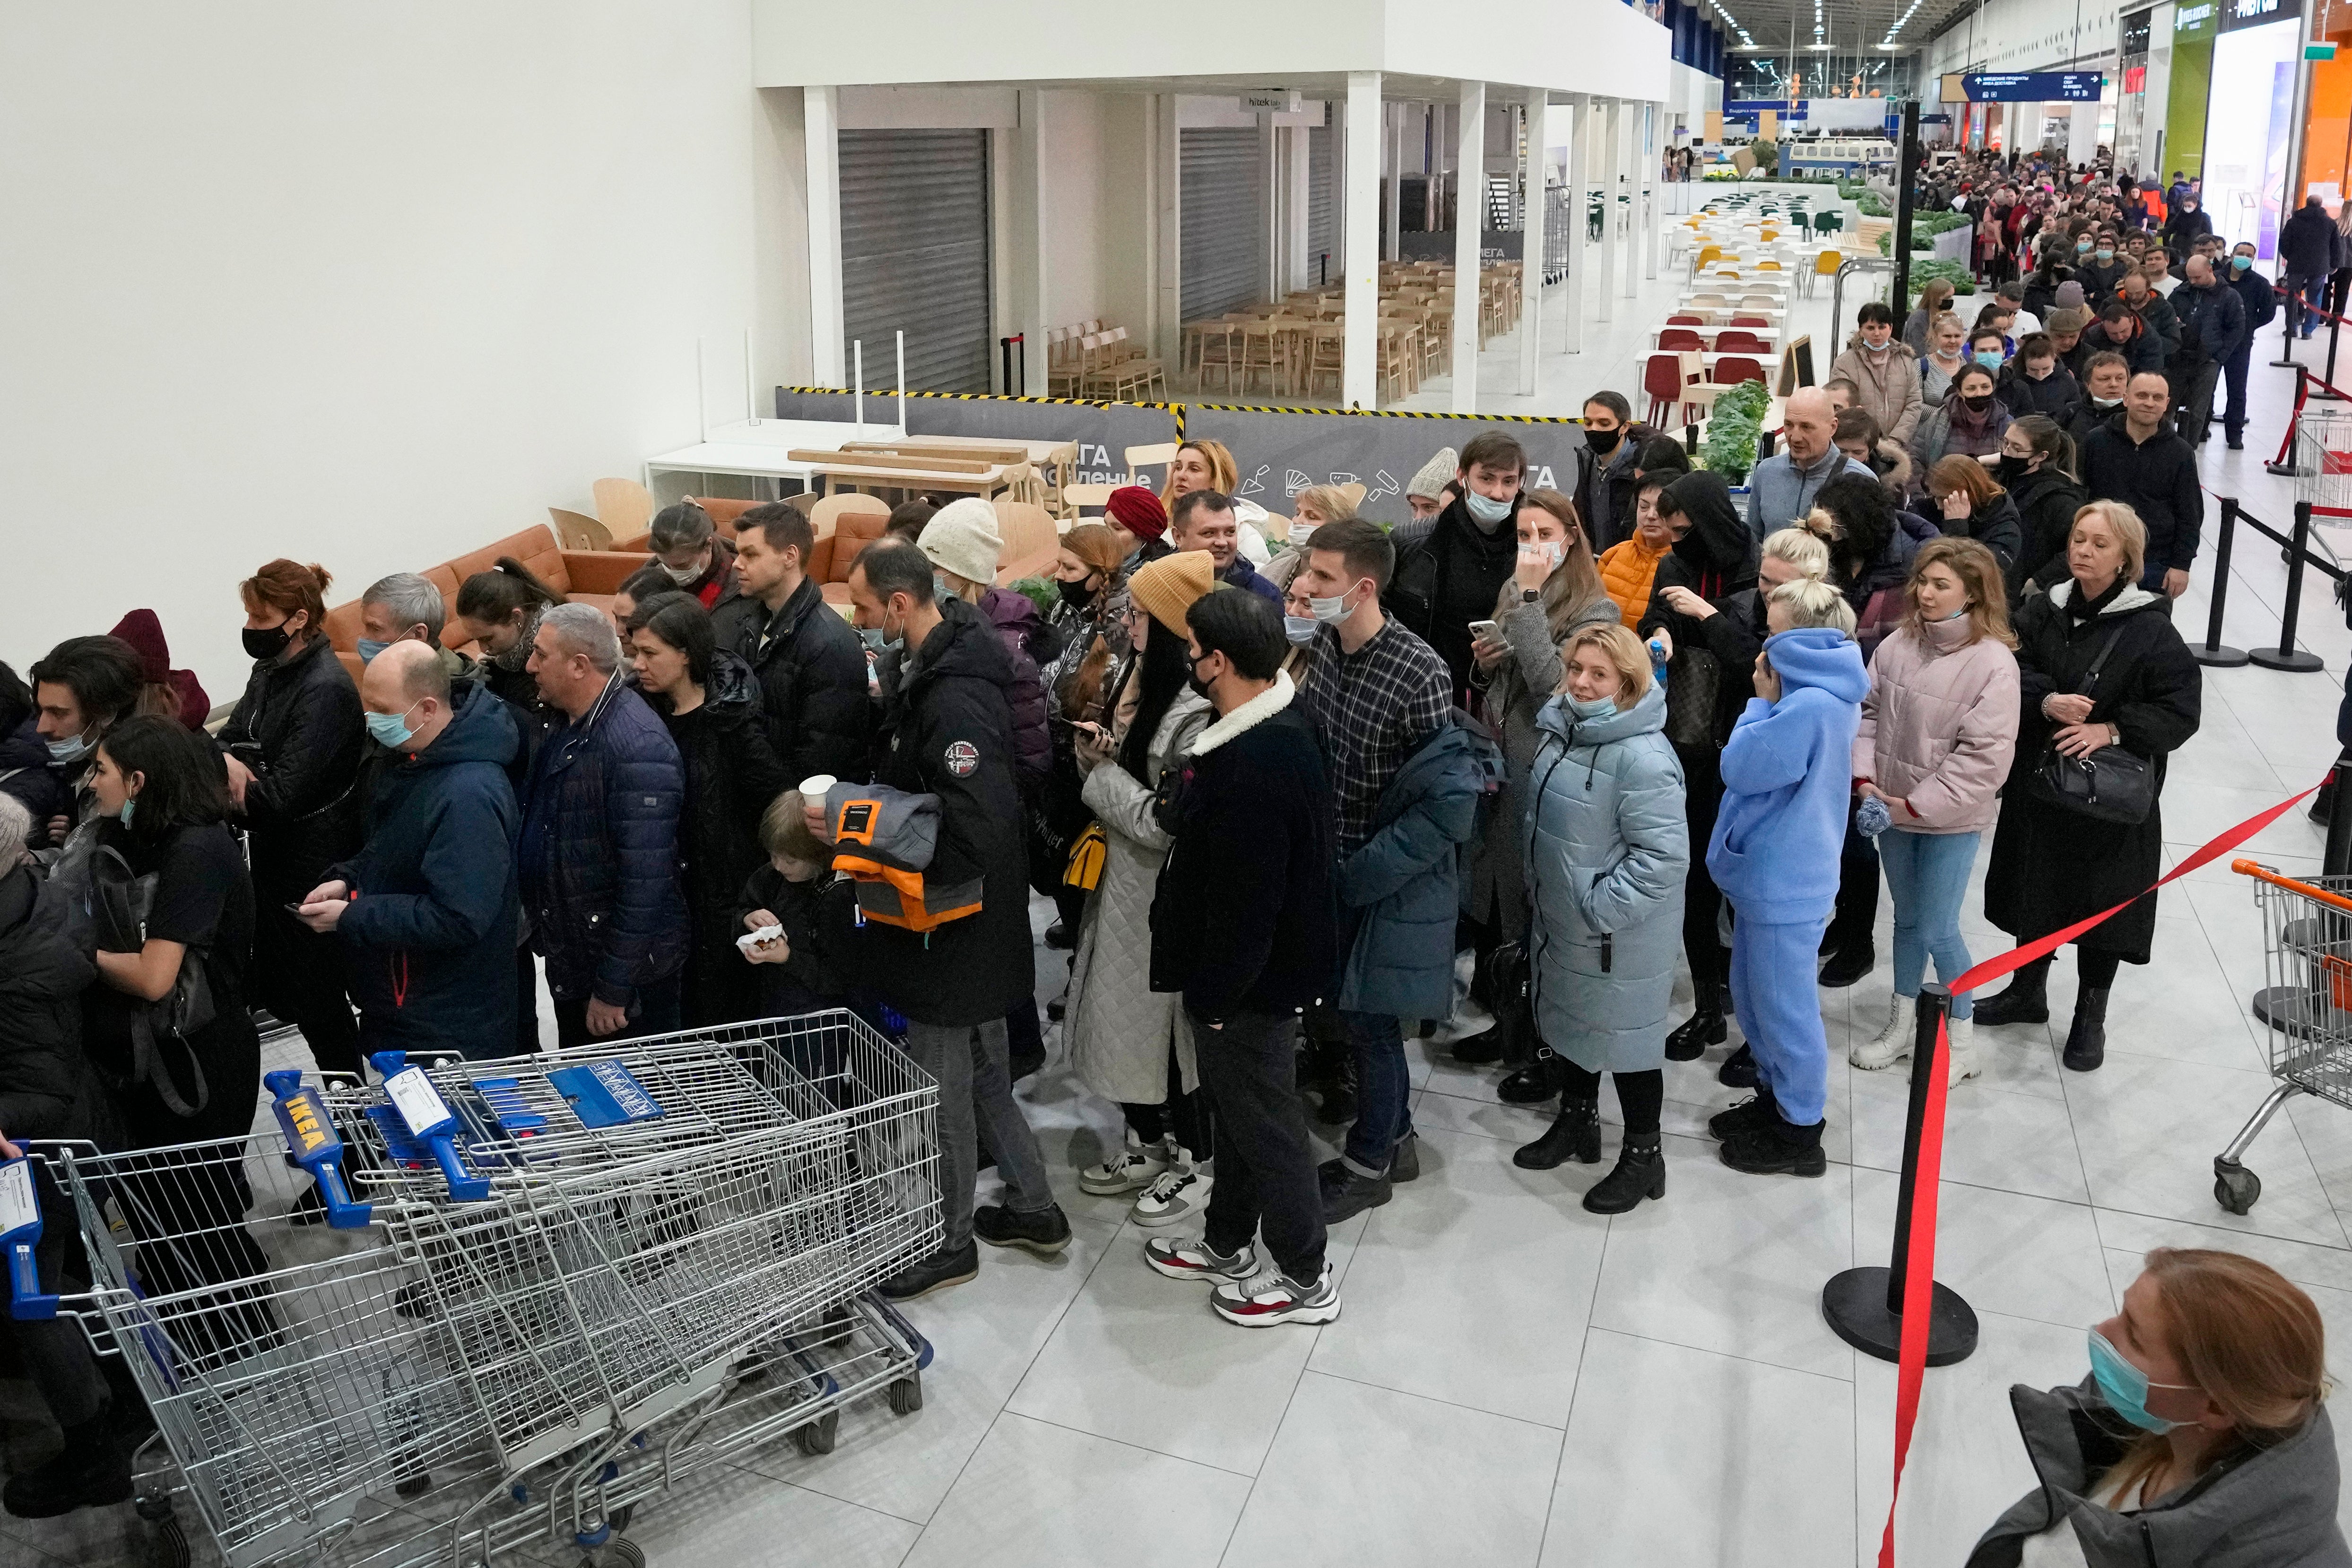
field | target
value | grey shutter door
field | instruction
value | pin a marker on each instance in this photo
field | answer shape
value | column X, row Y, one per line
column 1225, row 248
column 914, row 255
column 1322, row 234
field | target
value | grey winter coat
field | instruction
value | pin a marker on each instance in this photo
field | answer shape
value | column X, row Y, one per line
column 1520, row 686
column 1398, row 892
column 2275, row 1508
column 1119, row 1030
column 1608, row 846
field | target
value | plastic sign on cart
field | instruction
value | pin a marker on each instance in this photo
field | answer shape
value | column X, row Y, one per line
column 20, row 1233
column 313, row 1143
column 430, row 1122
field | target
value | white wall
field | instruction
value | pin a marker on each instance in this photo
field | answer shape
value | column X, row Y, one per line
column 2027, row 35
column 365, row 285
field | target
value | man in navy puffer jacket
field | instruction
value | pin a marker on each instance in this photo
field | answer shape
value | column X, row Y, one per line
column 1787, row 775
column 599, row 853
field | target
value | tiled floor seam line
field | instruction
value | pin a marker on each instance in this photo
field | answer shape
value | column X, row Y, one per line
column 1361, row 1381
column 38, row 1553
column 1288, row 1400
column 1122, row 1442
column 1727, row 1354
column 1568, row 1416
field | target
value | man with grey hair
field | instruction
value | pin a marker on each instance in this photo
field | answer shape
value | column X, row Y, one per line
column 428, row 909
column 407, row 607
column 598, row 857
column 1782, row 488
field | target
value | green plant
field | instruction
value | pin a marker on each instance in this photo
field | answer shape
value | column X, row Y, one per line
column 1952, row 272
column 1039, row 592
column 1870, row 204
column 1733, row 428
column 1767, row 154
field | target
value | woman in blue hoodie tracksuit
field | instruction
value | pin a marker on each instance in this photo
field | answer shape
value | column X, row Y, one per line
column 1786, row 777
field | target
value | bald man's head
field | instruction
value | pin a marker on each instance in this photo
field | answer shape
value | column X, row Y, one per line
column 2199, row 271
column 402, row 673
column 1808, row 421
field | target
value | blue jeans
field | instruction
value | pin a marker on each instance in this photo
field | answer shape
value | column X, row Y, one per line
column 1780, row 1011
column 1928, row 875
column 1383, row 1091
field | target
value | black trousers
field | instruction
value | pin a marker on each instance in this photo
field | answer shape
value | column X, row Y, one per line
column 1857, row 894
column 1710, row 961
column 658, row 1012
column 297, row 974
column 1266, row 1167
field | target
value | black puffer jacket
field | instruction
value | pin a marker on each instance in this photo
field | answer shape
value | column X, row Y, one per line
column 1449, row 572
column 731, row 775
column 947, row 731
column 812, row 674
column 2047, row 500
column 299, row 727
column 46, row 1087
column 1715, row 558
column 2057, row 395
column 26, row 773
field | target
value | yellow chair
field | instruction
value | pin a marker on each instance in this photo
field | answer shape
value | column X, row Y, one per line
column 1825, row 265
column 1768, row 266
column 1709, row 252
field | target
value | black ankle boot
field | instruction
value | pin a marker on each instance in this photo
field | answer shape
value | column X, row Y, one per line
column 2086, row 1037
column 1533, row 1084
column 1492, row 1045
column 1739, row 1070
column 1640, row 1173
column 90, row 1472
column 1688, row 1041
column 2025, row 999
column 1575, row 1135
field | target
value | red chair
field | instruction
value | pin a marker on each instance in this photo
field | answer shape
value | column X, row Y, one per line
column 1672, row 337
column 1662, row 379
column 1691, row 321
column 1730, row 371
column 1734, row 341
column 1751, row 321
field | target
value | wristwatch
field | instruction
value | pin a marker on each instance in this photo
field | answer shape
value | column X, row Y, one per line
column 1530, row 595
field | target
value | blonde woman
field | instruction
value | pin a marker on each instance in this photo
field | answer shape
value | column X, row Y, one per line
column 2052, row 864
column 1946, row 357
column 1554, row 590
column 2200, row 1437
column 1939, row 730
column 1209, row 466
column 1607, row 850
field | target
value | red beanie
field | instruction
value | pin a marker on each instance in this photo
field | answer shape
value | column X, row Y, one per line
column 1137, row 510
column 144, row 633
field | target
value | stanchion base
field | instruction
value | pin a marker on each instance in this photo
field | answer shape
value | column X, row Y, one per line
column 2293, row 660
column 1855, row 1303
column 2221, row 656
column 2285, row 364
column 2284, row 470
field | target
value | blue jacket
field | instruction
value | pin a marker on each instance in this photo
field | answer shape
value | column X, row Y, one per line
column 598, row 854
column 1241, row 574
column 1788, row 771
column 431, row 936
column 1400, row 890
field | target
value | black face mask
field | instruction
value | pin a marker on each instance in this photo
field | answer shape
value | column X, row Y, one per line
column 1192, row 678
column 1603, row 442
column 2013, row 469
column 265, row 642
column 1076, row 595
column 1978, row 403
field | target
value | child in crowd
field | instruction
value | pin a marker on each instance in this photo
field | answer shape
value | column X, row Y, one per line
column 1774, row 853
column 795, row 890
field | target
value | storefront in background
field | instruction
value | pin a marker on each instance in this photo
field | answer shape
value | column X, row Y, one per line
column 2195, row 24
column 2134, row 91
column 2250, row 130
column 2327, row 129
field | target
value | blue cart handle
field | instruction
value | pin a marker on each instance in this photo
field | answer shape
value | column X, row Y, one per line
column 312, row 1142
column 430, row 1121
column 20, row 1232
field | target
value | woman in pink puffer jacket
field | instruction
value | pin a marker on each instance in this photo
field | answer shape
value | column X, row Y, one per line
column 1937, row 731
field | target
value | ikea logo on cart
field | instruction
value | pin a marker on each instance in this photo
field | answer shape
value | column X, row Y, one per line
column 303, row 1120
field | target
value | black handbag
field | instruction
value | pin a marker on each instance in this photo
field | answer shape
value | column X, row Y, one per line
column 2110, row 785
column 1694, row 681
column 120, row 903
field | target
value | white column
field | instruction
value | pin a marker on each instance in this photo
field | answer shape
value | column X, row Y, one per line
column 1168, row 224
column 1648, row 205
column 822, row 119
column 1532, row 164
column 2083, row 134
column 1579, row 169
column 1469, row 232
column 1392, row 199
column 1613, row 159
column 1032, row 232
column 1359, row 383
column 1272, row 192
column 1299, row 272
column 1631, row 168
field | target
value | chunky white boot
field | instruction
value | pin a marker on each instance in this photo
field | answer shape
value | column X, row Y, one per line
column 1961, row 1033
column 1135, row 1167
column 1892, row 1043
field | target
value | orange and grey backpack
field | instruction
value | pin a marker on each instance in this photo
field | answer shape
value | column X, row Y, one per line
column 882, row 840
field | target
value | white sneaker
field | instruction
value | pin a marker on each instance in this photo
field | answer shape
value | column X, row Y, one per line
column 1193, row 1259
column 1961, row 1034
column 1275, row 1298
column 1892, row 1043
column 1180, row 1190
column 1139, row 1165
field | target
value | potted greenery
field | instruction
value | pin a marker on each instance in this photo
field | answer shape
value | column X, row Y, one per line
column 1732, row 431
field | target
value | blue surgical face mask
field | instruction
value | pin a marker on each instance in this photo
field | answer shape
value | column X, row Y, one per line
column 1299, row 629
column 130, row 804
column 393, row 730
column 2126, row 1386
column 73, row 750
column 2240, row 262
column 1486, row 508
column 1599, row 707
column 2106, row 252
column 940, row 588
column 370, row 648
column 2083, row 247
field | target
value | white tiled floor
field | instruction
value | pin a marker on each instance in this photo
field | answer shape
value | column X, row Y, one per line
column 1516, row 1381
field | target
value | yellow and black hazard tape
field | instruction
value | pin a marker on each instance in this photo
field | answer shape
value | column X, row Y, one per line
column 1178, row 410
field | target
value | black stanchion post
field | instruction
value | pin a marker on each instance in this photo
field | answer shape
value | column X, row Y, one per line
column 1865, row 1306
column 1004, row 348
column 2286, row 655
column 2285, row 467
column 2335, row 325
column 2213, row 651
column 2290, row 315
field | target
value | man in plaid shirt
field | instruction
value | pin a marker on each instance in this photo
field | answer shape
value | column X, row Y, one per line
column 1377, row 692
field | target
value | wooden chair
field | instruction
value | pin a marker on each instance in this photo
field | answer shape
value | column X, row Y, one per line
column 1327, row 347
column 576, row 530
column 623, row 506
column 1077, row 497
column 1662, row 379
column 826, row 515
column 1261, row 352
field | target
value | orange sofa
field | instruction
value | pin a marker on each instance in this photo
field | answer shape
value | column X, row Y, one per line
column 587, row 577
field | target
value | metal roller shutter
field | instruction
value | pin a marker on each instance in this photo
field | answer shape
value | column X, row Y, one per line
column 914, row 255
column 1225, row 243
column 1322, row 234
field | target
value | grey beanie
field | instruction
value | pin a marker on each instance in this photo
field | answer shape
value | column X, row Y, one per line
column 2069, row 296
column 1435, row 475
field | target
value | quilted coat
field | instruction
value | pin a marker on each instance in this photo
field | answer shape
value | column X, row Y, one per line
column 1120, row 1028
column 599, row 853
column 1608, row 848
column 1939, row 727
column 1398, row 894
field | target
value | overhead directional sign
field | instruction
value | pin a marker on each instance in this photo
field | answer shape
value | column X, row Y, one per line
column 2034, row 87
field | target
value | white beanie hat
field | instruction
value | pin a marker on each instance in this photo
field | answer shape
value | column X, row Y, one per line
column 1435, row 475
column 963, row 538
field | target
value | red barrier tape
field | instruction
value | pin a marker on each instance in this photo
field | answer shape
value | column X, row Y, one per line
column 1919, row 1268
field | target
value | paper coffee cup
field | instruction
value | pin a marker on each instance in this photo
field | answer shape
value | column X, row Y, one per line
column 814, row 787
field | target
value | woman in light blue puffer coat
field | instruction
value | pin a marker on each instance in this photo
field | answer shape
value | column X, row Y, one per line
column 1608, row 846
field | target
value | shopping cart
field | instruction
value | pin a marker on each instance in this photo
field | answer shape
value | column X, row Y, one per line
column 2307, row 999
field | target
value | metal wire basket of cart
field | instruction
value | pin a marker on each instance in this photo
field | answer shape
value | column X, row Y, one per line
column 2306, row 1000
column 2323, row 461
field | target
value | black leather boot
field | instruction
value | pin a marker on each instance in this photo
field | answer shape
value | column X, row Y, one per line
column 1533, row 1084
column 1494, row 1043
column 1739, row 1070
column 1688, row 1041
column 2086, row 1037
column 1575, row 1135
column 2025, row 999
column 1640, row 1173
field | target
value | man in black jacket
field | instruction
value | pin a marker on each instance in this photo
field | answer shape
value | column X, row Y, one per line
column 1606, row 469
column 2255, row 292
column 2213, row 328
column 2140, row 461
column 947, row 732
column 1450, row 570
column 1243, row 926
column 2309, row 251
column 812, row 670
column 2119, row 331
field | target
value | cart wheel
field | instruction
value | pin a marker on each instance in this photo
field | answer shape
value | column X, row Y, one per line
column 170, row 1544
column 907, row 1394
column 2237, row 1189
column 817, row 1437
column 618, row 1519
column 618, row 1552
column 415, row 1485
